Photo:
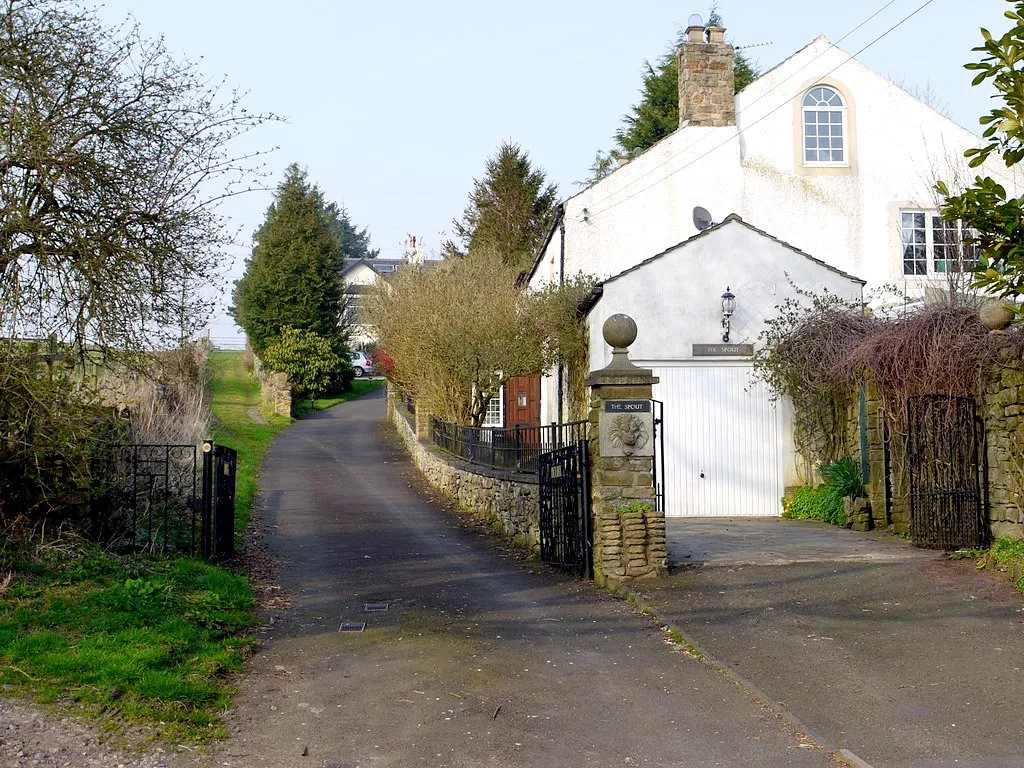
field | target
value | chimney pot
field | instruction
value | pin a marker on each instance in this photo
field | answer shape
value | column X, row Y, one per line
column 717, row 35
column 695, row 34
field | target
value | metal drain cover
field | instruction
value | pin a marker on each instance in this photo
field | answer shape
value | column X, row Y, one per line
column 352, row 626
column 375, row 607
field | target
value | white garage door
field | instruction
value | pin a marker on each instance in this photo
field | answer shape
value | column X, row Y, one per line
column 723, row 453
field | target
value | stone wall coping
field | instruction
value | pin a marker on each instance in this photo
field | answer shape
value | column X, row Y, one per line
column 606, row 378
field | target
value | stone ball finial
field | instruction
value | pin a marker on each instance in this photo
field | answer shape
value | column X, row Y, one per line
column 619, row 331
column 995, row 315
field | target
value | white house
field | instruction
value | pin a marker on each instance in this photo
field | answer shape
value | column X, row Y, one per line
column 359, row 275
column 728, row 446
column 821, row 153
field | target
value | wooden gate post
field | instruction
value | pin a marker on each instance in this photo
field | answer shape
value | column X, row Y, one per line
column 628, row 529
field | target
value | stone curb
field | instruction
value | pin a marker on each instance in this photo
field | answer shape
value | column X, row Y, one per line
column 844, row 755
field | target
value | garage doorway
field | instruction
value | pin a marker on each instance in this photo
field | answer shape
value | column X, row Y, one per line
column 724, row 450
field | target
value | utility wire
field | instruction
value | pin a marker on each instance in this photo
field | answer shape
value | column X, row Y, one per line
column 768, row 114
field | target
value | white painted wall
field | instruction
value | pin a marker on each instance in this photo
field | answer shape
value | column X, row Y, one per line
column 850, row 220
column 676, row 299
column 729, row 449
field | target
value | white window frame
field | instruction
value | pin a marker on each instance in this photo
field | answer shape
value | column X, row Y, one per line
column 931, row 216
column 844, row 128
column 499, row 401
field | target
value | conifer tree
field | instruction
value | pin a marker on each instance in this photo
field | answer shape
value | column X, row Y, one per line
column 509, row 211
column 292, row 278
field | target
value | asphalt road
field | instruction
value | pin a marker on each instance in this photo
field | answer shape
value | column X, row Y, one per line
column 895, row 653
column 480, row 660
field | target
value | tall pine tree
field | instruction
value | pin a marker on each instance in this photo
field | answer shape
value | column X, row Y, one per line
column 509, row 209
column 292, row 278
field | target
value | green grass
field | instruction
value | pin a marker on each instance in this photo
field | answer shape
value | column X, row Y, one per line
column 235, row 396
column 1006, row 555
column 359, row 387
column 146, row 641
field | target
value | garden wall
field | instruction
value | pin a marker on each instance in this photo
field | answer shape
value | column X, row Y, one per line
column 275, row 391
column 509, row 500
column 1001, row 409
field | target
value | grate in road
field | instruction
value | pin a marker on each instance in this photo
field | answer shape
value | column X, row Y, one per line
column 352, row 626
column 375, row 607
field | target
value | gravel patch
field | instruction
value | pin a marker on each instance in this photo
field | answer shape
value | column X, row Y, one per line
column 32, row 739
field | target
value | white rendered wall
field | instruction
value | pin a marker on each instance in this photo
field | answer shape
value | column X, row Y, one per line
column 848, row 218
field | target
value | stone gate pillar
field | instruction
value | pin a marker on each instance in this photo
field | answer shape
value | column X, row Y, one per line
column 629, row 533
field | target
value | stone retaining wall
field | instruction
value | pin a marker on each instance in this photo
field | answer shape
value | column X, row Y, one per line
column 1003, row 413
column 510, row 501
column 275, row 391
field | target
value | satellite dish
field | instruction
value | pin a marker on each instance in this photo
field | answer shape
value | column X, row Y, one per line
column 702, row 219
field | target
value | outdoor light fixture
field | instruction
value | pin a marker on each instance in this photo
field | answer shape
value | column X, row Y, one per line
column 728, row 307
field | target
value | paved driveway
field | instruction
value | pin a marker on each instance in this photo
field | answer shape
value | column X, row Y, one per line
column 902, row 657
column 773, row 541
column 480, row 660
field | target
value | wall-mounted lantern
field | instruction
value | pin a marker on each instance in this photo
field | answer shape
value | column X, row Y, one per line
column 728, row 307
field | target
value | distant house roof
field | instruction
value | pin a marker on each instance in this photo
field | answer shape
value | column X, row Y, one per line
column 380, row 266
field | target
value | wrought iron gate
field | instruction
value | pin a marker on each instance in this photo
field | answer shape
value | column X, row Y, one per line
column 658, row 462
column 152, row 498
column 565, row 507
column 945, row 466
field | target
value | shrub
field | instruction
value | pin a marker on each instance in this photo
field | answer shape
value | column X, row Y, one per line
column 823, row 503
column 845, row 476
column 308, row 359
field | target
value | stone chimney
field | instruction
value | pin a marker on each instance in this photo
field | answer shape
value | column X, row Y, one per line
column 706, row 79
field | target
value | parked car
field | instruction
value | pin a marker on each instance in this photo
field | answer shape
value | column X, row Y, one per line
column 362, row 364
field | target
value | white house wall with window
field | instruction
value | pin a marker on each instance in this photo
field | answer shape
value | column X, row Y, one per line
column 823, row 152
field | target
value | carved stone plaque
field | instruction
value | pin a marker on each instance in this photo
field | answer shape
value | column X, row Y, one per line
column 627, row 428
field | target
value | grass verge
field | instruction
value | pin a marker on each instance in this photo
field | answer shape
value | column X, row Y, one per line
column 359, row 387
column 145, row 641
column 240, row 423
column 1006, row 556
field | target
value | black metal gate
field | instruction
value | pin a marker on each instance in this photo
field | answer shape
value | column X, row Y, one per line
column 658, row 462
column 945, row 466
column 219, row 465
column 565, row 507
column 152, row 498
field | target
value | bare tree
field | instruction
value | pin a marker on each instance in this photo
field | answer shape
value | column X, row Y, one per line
column 113, row 159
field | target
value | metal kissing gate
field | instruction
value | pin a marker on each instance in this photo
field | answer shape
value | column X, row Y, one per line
column 945, row 465
column 565, row 507
column 152, row 498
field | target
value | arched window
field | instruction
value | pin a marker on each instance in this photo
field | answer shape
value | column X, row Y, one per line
column 824, row 127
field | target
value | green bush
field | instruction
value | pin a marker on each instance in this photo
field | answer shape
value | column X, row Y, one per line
column 309, row 359
column 845, row 476
column 823, row 503
column 633, row 507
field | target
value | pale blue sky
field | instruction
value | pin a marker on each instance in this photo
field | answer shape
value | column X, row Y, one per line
column 394, row 106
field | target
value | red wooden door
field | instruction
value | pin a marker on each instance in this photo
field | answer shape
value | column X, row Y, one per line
column 522, row 402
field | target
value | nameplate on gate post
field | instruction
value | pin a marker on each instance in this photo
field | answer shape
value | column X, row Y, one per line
column 723, row 350
column 627, row 428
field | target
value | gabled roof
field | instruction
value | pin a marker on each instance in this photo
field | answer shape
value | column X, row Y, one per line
column 373, row 264
column 594, row 296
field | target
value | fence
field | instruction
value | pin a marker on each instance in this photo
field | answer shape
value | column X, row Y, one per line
column 166, row 498
column 516, row 449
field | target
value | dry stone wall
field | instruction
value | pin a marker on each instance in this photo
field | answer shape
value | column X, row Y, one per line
column 1003, row 413
column 511, row 501
column 275, row 390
